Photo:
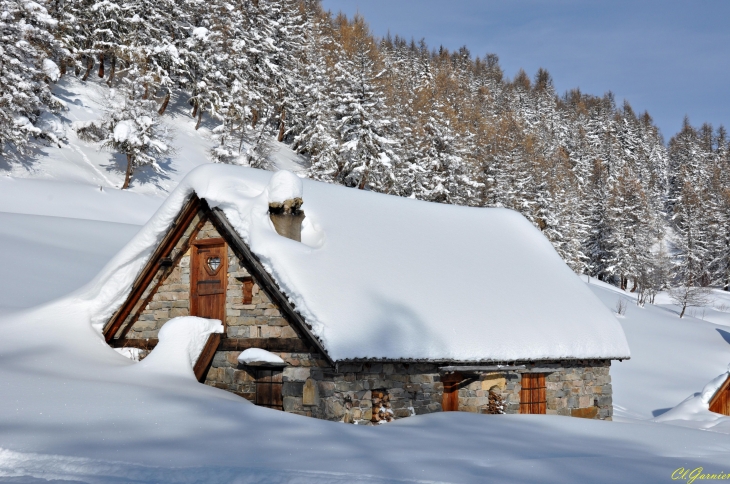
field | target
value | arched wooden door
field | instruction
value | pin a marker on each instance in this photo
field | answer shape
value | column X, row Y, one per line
column 208, row 279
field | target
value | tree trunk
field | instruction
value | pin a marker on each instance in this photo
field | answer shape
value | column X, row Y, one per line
column 200, row 118
column 195, row 108
column 89, row 66
column 165, row 102
column 282, row 126
column 255, row 118
column 63, row 67
column 633, row 289
column 112, row 71
column 128, row 176
column 146, row 91
column 101, row 65
column 364, row 180
column 684, row 308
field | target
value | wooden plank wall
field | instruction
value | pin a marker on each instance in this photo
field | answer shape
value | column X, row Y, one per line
column 720, row 402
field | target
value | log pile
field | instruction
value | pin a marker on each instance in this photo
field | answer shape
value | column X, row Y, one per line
column 382, row 412
column 496, row 404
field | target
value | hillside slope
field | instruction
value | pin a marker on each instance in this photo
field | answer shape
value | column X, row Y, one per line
column 78, row 161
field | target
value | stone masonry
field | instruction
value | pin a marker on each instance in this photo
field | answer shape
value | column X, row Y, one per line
column 310, row 386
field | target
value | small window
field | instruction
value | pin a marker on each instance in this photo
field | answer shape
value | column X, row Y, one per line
column 532, row 395
column 268, row 388
column 247, row 290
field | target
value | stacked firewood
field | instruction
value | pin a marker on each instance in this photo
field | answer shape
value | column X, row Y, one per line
column 382, row 412
column 496, row 403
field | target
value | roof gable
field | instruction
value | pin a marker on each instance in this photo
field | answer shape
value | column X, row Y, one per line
column 171, row 248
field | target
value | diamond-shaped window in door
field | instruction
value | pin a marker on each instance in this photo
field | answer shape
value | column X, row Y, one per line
column 214, row 263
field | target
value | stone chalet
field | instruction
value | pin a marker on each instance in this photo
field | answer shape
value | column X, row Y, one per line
column 443, row 342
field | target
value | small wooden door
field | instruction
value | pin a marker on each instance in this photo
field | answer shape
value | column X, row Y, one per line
column 268, row 388
column 450, row 398
column 208, row 279
column 532, row 395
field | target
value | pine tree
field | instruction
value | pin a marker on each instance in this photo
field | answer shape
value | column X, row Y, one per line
column 26, row 68
column 367, row 155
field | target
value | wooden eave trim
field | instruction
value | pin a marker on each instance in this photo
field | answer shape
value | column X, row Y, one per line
column 174, row 233
column 723, row 388
column 242, row 250
column 205, row 242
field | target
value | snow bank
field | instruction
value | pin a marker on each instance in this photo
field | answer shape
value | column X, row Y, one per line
column 396, row 278
column 260, row 357
column 695, row 410
column 181, row 340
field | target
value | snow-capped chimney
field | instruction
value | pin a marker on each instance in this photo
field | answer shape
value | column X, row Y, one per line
column 285, row 204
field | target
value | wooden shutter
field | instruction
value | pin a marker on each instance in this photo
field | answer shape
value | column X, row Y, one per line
column 450, row 398
column 208, row 279
column 532, row 395
column 247, row 290
column 720, row 402
column 268, row 388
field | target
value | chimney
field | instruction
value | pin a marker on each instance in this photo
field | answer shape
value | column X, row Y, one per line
column 287, row 218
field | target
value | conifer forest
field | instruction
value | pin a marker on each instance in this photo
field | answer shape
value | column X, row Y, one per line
column 617, row 201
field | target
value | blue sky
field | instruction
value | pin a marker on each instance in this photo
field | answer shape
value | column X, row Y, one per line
column 669, row 57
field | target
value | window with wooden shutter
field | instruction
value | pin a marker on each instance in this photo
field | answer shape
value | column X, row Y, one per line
column 268, row 388
column 247, row 290
column 533, row 396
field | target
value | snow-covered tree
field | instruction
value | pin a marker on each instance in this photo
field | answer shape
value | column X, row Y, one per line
column 132, row 127
column 27, row 46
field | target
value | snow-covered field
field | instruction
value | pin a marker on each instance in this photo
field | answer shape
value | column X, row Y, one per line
column 73, row 409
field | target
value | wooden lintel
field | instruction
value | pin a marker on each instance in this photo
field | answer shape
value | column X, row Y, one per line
column 498, row 368
column 480, row 369
column 286, row 345
column 141, row 343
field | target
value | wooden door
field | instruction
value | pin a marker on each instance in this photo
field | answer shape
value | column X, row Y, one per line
column 268, row 388
column 532, row 394
column 208, row 279
column 450, row 398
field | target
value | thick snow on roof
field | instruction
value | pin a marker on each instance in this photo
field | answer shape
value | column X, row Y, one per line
column 378, row 276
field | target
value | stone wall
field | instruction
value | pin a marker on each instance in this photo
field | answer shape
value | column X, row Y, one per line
column 577, row 388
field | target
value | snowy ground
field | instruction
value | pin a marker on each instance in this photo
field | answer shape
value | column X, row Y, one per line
column 73, row 409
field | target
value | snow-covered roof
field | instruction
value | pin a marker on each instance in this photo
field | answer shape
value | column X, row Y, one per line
column 378, row 276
